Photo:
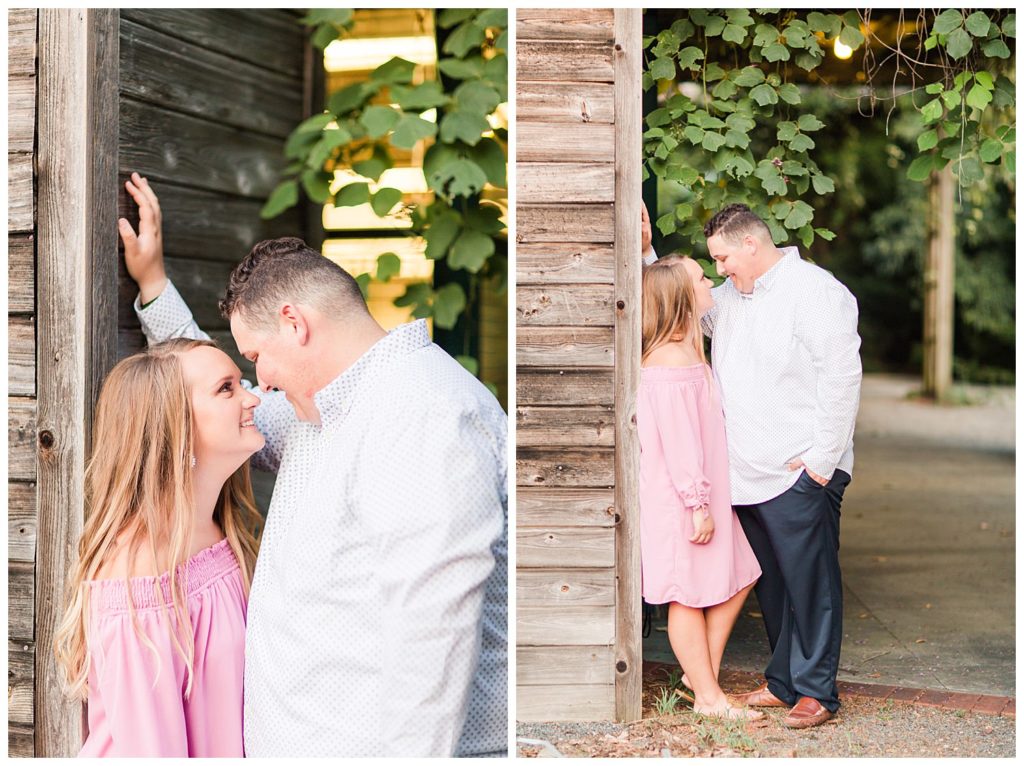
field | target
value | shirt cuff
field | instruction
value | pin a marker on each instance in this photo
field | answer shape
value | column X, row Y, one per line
column 650, row 256
column 163, row 316
column 821, row 466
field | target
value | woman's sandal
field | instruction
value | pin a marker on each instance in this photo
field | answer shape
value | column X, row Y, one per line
column 686, row 694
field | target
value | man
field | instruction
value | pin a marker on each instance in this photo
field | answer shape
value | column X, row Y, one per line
column 785, row 351
column 378, row 610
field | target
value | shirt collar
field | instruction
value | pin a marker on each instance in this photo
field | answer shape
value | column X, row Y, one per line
column 766, row 280
column 334, row 400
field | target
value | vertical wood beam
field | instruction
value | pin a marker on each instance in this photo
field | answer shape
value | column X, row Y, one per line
column 77, row 313
column 628, row 114
column 939, row 277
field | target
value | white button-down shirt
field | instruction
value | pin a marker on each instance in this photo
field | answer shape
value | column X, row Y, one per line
column 787, row 360
column 377, row 619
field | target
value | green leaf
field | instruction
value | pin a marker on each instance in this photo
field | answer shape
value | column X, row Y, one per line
column 693, row 134
column 666, row 224
column 947, row 21
column 991, row 150
column 808, row 122
column 462, row 69
column 830, row 23
column 384, row 200
column 493, row 17
column 347, row 99
column 388, row 265
column 668, row 44
column 449, row 17
column 465, row 37
column 725, row 89
column 931, row 111
column 713, row 141
column 825, row 234
column 920, row 168
column 927, row 140
column 969, row 170
column 959, row 43
column 776, row 52
column 951, row 99
column 683, row 211
column 1010, row 25
column 449, row 302
column 786, row 131
column 934, row 88
column 352, row 194
column 484, row 218
column 471, row 251
column 688, row 57
column 930, row 42
column 799, row 216
column 461, row 178
column 378, row 120
column 284, row 196
column 491, row 158
column 682, row 28
column 801, row 143
column 411, row 129
column 317, row 184
column 477, row 96
column 978, row 24
column 363, row 281
column 822, row 184
column 461, row 125
column 789, row 93
column 748, row 77
column 774, row 185
column 978, row 97
column 996, row 49
column 324, row 35
column 396, row 70
column 663, row 69
column 441, row 233
column 733, row 33
column 427, row 95
column 713, row 72
column 851, row 36
column 984, row 79
column 806, row 235
column 324, row 148
column 715, row 26
column 764, row 95
column 734, row 138
column 375, row 166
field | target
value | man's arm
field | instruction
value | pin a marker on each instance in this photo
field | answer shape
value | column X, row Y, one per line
column 435, row 519
column 163, row 314
column 827, row 326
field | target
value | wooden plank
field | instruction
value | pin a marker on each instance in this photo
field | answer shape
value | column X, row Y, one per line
column 169, row 72
column 21, row 273
column 539, row 183
column 563, row 60
column 21, row 356
column 568, row 665
column 268, row 38
column 565, row 305
column 565, row 625
column 565, row 386
column 591, row 24
column 20, row 202
column 593, row 467
column 77, row 323
column 168, row 146
column 581, row 587
column 565, row 426
column 564, row 507
column 564, row 263
column 21, row 439
column 567, row 702
column 209, row 225
column 563, row 102
column 628, row 117
column 21, row 113
column 20, row 664
column 565, row 547
column 564, row 223
column 564, row 346
column 21, row 600
column 20, row 742
column 21, row 521
column 564, row 142
column 21, row 42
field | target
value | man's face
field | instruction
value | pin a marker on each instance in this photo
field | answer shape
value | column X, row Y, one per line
column 734, row 260
column 281, row 361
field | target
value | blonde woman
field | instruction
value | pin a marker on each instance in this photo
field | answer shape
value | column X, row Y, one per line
column 694, row 555
column 154, row 631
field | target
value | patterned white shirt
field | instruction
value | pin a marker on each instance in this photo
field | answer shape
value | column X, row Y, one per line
column 377, row 619
column 787, row 359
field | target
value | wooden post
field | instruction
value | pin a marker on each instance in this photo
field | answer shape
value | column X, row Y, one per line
column 628, row 157
column 939, row 275
column 77, row 314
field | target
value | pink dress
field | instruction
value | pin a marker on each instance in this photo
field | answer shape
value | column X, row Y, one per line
column 133, row 711
column 684, row 463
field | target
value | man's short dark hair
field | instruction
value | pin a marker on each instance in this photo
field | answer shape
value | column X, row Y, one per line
column 735, row 221
column 288, row 270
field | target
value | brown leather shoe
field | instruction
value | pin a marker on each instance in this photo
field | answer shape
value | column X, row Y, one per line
column 806, row 712
column 760, row 697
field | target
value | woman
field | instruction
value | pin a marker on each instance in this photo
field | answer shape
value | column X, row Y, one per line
column 694, row 555
column 154, row 631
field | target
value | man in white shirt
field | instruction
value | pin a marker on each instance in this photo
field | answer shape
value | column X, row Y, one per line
column 377, row 618
column 785, row 351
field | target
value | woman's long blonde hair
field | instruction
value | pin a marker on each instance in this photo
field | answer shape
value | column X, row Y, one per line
column 139, row 484
column 668, row 307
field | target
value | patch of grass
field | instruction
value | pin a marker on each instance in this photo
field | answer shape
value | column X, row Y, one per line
column 724, row 732
column 666, row 702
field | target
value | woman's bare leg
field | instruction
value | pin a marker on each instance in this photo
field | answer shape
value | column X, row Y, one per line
column 720, row 620
column 687, row 633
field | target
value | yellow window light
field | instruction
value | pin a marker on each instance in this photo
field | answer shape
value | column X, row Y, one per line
column 842, row 50
column 366, row 53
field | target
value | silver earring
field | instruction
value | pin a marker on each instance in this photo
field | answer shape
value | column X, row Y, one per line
column 193, row 463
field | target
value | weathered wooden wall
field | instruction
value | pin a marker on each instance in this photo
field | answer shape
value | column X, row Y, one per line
column 577, row 324
column 21, row 380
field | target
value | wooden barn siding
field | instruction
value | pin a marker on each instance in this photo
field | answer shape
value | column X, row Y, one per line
column 207, row 98
column 565, row 434
column 21, row 403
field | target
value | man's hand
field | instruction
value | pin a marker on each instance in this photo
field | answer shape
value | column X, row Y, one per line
column 645, row 229
column 144, row 252
column 796, row 465
column 703, row 527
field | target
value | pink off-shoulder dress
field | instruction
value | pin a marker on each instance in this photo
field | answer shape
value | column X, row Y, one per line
column 684, row 464
column 134, row 710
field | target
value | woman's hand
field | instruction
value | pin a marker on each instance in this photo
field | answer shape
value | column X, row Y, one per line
column 144, row 252
column 703, row 526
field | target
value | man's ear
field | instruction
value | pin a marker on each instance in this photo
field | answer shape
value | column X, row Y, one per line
column 295, row 322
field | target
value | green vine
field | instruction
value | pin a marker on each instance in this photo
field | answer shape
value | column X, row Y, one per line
column 364, row 121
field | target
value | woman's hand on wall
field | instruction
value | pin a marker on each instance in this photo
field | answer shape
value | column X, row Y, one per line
column 144, row 252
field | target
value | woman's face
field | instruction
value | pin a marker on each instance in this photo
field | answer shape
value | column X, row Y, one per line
column 701, row 287
column 222, row 409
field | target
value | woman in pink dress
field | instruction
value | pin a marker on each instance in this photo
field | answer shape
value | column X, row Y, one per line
column 153, row 633
column 694, row 555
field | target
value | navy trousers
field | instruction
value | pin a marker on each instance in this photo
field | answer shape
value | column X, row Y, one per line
column 795, row 537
